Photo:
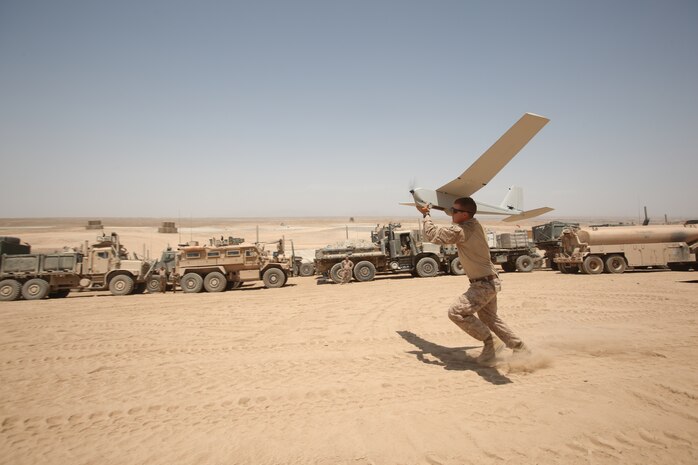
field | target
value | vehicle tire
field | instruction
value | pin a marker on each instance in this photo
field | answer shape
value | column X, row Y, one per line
column 566, row 268
column 508, row 267
column 306, row 269
column 191, row 283
column 427, row 267
column 35, row 289
column 364, row 271
column 456, row 267
column 139, row 288
column 274, row 278
column 61, row 294
column 121, row 284
column 10, row 290
column 615, row 264
column 215, row 282
column 153, row 285
column 524, row 263
column 593, row 264
column 335, row 273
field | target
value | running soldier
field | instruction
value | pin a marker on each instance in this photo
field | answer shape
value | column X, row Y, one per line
column 481, row 297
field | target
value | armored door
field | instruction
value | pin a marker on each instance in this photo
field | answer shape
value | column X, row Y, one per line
column 101, row 261
column 251, row 258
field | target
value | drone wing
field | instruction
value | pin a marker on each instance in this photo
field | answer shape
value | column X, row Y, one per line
column 496, row 157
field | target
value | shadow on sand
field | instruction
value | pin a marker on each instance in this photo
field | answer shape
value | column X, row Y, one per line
column 451, row 358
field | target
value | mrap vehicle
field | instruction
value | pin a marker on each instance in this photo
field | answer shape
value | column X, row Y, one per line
column 228, row 263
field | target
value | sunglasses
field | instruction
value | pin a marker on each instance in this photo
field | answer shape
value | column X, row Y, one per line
column 453, row 211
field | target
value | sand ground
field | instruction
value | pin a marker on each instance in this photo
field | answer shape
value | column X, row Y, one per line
column 367, row 373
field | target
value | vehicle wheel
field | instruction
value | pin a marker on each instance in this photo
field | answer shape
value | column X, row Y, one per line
column 63, row 293
column 273, row 278
column 524, row 263
column 10, row 290
column 335, row 273
column 364, row 271
column 153, row 285
column 566, row 268
column 307, row 269
column 427, row 267
column 215, row 282
column 191, row 283
column 121, row 284
column 35, row 289
column 508, row 267
column 615, row 264
column 456, row 267
column 592, row 265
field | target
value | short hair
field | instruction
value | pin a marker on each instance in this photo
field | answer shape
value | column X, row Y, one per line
column 468, row 205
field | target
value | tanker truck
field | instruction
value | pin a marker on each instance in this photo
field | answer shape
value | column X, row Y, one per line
column 596, row 250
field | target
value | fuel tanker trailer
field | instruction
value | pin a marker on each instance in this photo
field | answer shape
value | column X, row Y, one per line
column 614, row 249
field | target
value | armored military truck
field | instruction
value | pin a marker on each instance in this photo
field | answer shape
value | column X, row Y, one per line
column 595, row 250
column 227, row 263
column 391, row 250
column 514, row 252
column 100, row 266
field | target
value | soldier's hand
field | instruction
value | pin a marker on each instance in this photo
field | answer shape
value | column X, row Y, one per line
column 423, row 209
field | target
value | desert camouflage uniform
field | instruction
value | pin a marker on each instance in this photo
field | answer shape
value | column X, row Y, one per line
column 175, row 277
column 347, row 267
column 163, row 279
column 481, row 297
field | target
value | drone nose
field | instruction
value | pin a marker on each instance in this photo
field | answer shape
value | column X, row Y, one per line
column 412, row 191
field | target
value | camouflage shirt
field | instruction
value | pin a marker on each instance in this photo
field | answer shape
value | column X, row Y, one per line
column 471, row 241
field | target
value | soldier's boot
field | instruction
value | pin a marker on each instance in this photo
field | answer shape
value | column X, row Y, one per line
column 521, row 349
column 488, row 356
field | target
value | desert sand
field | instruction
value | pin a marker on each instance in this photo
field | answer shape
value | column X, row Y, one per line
column 365, row 373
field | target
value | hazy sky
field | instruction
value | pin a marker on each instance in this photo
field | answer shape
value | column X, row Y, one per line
column 334, row 108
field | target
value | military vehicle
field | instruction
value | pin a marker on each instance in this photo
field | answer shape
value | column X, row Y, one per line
column 167, row 261
column 596, row 250
column 227, row 263
column 391, row 250
column 100, row 266
column 299, row 266
column 302, row 268
column 514, row 252
column 546, row 237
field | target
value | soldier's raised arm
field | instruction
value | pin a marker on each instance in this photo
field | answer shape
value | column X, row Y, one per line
column 441, row 235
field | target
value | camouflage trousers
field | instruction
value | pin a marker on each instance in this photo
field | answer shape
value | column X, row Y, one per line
column 481, row 298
